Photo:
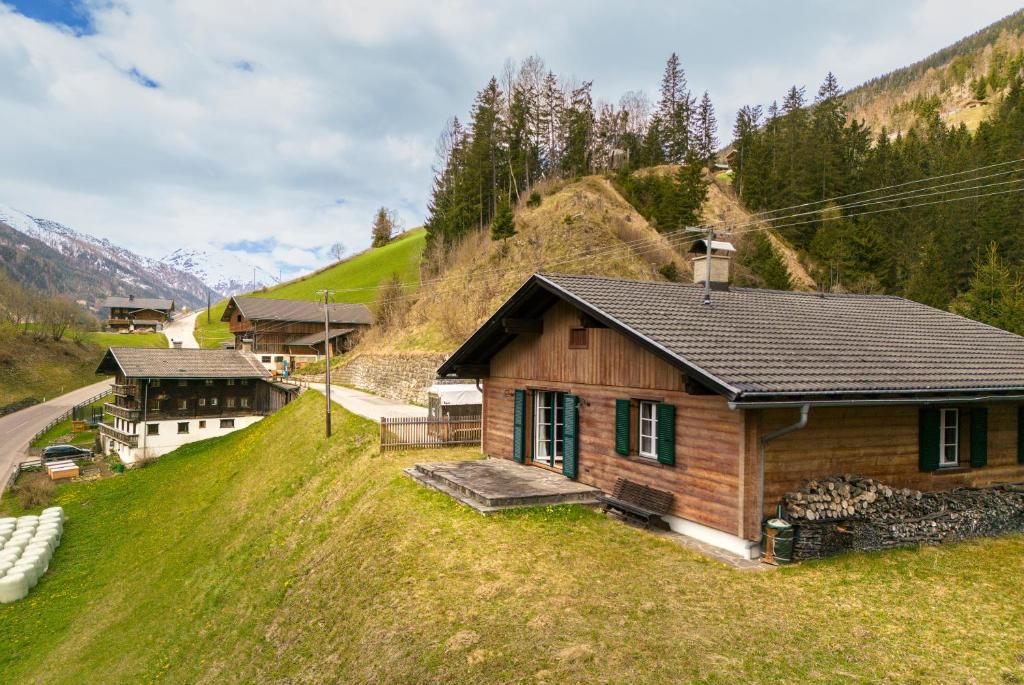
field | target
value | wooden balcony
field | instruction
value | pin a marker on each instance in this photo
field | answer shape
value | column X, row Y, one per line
column 124, row 390
column 126, row 413
column 108, row 431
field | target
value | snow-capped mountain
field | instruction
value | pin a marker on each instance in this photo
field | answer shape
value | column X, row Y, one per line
column 59, row 260
column 211, row 269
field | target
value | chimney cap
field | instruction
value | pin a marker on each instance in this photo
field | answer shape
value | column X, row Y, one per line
column 701, row 246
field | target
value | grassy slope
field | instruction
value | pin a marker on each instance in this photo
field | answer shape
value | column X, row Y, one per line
column 38, row 369
column 255, row 559
column 363, row 271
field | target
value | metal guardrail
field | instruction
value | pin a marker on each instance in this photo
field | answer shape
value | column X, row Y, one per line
column 420, row 431
column 67, row 415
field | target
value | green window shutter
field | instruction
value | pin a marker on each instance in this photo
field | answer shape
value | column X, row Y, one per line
column 666, row 437
column 519, row 427
column 570, row 436
column 928, row 438
column 1020, row 435
column 622, row 409
column 979, row 437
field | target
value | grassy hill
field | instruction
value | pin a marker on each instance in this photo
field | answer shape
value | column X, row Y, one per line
column 33, row 369
column 359, row 275
column 583, row 226
column 962, row 82
column 259, row 560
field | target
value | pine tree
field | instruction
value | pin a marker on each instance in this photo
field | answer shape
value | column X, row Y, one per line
column 504, row 225
column 706, row 130
column 578, row 128
column 384, row 225
column 675, row 111
column 691, row 191
column 995, row 295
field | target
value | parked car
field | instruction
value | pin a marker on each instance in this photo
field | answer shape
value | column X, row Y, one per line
column 54, row 452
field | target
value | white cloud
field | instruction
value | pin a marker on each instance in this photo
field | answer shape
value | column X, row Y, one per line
column 268, row 114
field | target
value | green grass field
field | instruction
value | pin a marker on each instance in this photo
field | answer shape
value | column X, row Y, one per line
column 257, row 559
column 43, row 369
column 358, row 275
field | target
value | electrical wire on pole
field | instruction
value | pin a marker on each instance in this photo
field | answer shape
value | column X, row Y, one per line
column 327, row 354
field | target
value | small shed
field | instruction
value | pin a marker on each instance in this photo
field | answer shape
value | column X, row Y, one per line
column 454, row 401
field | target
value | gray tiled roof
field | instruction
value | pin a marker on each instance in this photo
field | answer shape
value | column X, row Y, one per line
column 135, row 362
column 776, row 342
column 268, row 309
column 139, row 303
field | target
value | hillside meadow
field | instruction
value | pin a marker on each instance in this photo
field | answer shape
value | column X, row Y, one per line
column 357, row 277
column 257, row 559
column 34, row 370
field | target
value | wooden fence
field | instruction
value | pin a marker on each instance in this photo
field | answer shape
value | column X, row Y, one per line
column 421, row 431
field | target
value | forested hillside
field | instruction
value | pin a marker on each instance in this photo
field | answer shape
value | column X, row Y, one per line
column 961, row 83
column 912, row 214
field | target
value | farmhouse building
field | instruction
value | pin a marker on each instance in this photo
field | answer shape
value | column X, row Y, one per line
column 730, row 404
column 288, row 334
column 165, row 398
column 127, row 314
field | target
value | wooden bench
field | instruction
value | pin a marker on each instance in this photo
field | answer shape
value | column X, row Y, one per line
column 640, row 502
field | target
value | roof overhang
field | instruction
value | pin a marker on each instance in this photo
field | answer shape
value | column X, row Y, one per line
column 881, row 398
column 491, row 337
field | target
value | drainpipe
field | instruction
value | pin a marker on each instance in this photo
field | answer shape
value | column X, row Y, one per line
column 805, row 409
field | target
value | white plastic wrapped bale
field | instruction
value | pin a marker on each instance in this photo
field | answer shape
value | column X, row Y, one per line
column 11, row 555
column 50, row 529
column 13, row 586
column 5, row 535
column 5, row 566
column 51, row 523
column 50, row 511
column 51, row 518
column 30, row 568
column 26, row 521
column 8, row 520
column 41, row 546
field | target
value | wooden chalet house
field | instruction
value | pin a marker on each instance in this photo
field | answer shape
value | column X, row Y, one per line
column 733, row 403
column 291, row 332
column 128, row 314
column 165, row 398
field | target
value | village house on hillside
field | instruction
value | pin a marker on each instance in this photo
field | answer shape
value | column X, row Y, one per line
column 165, row 398
column 730, row 404
column 291, row 332
column 137, row 313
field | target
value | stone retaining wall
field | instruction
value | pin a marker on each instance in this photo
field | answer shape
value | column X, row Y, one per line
column 399, row 377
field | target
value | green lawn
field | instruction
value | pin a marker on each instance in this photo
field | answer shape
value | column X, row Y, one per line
column 357, row 275
column 106, row 340
column 257, row 559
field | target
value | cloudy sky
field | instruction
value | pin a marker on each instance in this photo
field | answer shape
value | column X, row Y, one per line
column 265, row 131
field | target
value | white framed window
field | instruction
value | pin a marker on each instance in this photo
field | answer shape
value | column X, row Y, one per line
column 183, row 405
column 202, row 401
column 183, row 427
column 230, row 402
column 949, row 437
column 213, row 401
column 647, row 430
column 243, row 402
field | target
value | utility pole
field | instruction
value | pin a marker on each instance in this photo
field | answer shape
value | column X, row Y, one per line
column 327, row 353
column 207, row 305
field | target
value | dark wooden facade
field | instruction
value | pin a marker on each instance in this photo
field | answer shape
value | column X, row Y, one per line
column 163, row 399
column 716, row 478
column 127, row 317
column 277, row 337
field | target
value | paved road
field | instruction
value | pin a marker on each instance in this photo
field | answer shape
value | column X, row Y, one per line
column 16, row 429
column 369, row 406
column 181, row 329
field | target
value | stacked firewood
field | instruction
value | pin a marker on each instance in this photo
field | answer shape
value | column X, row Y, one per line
column 847, row 512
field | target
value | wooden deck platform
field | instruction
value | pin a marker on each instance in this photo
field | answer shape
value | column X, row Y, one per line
column 490, row 485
